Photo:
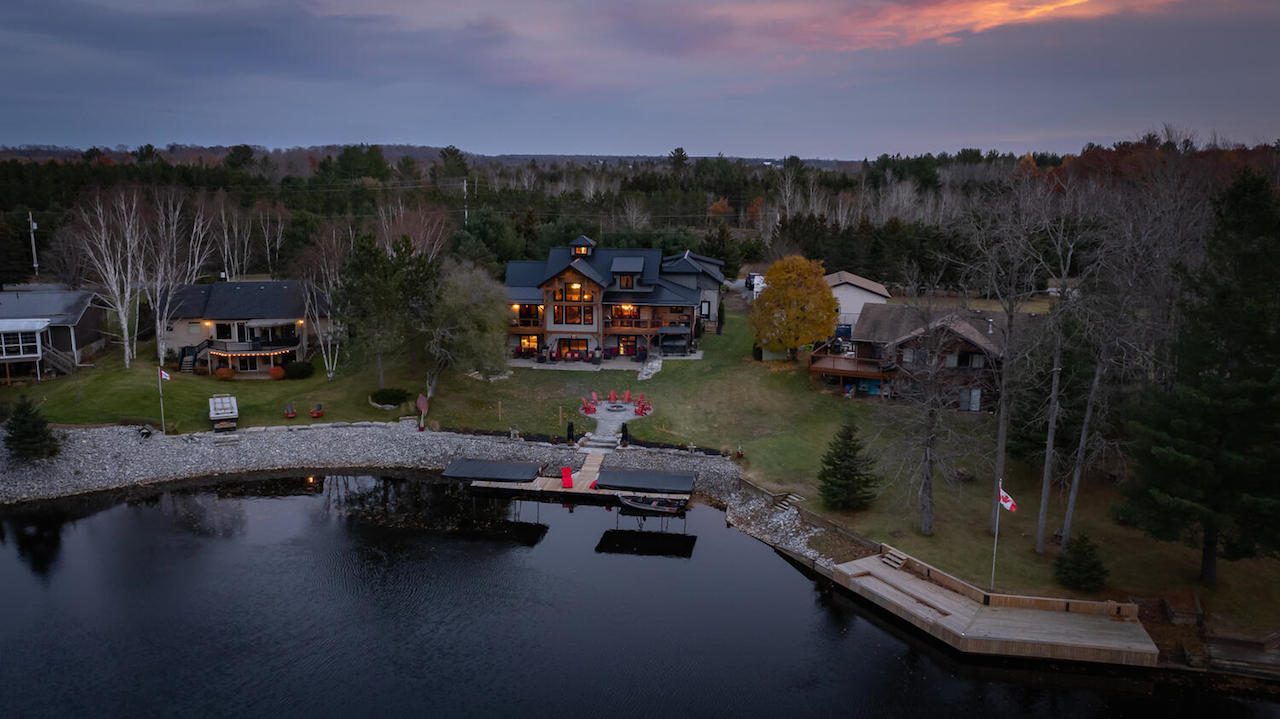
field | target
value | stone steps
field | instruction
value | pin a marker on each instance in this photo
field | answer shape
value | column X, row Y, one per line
column 786, row 500
column 893, row 558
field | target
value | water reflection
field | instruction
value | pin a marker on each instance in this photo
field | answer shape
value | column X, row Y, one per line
column 37, row 538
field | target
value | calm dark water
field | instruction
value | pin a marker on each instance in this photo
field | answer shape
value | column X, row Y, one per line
column 360, row 597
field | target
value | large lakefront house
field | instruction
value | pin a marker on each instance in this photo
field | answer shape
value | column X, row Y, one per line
column 247, row 326
column 622, row 302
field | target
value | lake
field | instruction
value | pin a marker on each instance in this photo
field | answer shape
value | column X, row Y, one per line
column 362, row 596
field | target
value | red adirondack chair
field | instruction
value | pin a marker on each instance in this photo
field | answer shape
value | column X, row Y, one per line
column 290, row 412
column 566, row 478
column 626, row 397
column 613, row 396
column 587, row 407
column 594, row 398
column 317, row 411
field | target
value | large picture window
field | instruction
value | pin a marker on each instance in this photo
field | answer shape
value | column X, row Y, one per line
column 572, row 315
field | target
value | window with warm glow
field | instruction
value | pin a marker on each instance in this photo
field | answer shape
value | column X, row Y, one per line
column 626, row 282
column 581, row 250
column 574, row 293
column 626, row 312
column 529, row 342
column 572, row 315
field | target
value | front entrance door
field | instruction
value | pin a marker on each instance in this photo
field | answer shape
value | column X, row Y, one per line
column 627, row 344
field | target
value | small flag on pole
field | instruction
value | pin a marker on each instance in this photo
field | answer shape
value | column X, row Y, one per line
column 164, row 375
column 1007, row 502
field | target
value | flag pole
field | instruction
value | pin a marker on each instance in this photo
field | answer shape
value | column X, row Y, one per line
column 996, row 543
column 160, row 386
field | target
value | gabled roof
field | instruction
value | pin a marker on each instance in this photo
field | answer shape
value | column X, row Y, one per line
column 524, row 279
column 894, row 324
column 688, row 263
column 241, row 301
column 58, row 305
column 582, row 241
column 848, row 278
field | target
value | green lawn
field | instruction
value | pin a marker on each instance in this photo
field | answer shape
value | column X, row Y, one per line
column 783, row 422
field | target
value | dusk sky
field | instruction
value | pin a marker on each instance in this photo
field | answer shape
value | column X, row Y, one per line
column 817, row 78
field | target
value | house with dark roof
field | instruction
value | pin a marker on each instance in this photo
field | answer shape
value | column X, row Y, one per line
column 622, row 302
column 47, row 328
column 892, row 346
column 247, row 326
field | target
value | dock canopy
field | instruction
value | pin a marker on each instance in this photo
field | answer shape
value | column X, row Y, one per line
column 645, row 481
column 492, row 471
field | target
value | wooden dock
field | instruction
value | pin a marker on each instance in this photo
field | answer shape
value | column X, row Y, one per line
column 978, row 622
column 550, row 488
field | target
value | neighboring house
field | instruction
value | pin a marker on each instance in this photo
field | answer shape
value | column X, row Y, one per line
column 248, row 326
column 885, row 353
column 853, row 292
column 47, row 327
column 621, row 301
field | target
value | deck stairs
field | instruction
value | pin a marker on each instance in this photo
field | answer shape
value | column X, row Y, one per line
column 64, row 362
column 604, row 442
column 188, row 364
column 894, row 558
column 786, row 500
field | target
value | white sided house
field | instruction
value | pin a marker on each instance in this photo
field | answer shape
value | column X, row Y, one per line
column 853, row 292
column 247, row 326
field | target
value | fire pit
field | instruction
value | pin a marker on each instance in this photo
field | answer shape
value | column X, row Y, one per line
column 616, row 407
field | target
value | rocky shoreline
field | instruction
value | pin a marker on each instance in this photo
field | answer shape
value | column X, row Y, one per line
column 100, row 459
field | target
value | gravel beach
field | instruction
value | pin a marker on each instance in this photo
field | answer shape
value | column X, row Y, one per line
column 109, row 458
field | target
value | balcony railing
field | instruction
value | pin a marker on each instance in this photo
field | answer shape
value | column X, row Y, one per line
column 526, row 322
column 625, row 322
column 229, row 346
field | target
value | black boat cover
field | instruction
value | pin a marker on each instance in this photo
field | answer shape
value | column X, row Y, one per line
column 650, row 544
column 645, row 481
column 492, row 471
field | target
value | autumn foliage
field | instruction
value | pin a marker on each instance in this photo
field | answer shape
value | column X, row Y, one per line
column 720, row 208
column 796, row 306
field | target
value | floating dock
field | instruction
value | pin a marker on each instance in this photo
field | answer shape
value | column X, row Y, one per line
column 978, row 622
column 525, row 481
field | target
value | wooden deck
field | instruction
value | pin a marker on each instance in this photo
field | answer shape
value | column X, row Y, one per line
column 549, row 488
column 843, row 366
column 1087, row 633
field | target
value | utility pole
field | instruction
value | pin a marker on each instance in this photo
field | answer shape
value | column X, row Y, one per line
column 465, row 216
column 35, row 261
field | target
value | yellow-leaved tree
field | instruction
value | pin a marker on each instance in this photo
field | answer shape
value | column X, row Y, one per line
column 796, row 306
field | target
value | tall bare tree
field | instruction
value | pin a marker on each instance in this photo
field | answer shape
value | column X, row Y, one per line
column 177, row 248
column 427, row 227
column 110, row 229
column 1002, row 231
column 233, row 234
column 320, row 269
column 271, row 219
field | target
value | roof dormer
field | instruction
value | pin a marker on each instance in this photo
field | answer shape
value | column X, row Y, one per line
column 583, row 246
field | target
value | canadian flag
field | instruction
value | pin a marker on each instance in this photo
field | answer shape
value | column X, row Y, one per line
column 164, row 375
column 1007, row 502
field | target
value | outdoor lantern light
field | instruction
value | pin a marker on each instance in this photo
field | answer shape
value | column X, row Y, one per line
column 515, row 308
column 207, row 323
column 575, row 286
column 299, row 321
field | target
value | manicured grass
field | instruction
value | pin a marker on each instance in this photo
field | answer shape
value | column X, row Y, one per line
column 783, row 422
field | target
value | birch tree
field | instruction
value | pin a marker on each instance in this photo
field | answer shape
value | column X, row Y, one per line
column 177, row 248
column 233, row 233
column 110, row 231
column 320, row 270
column 270, row 220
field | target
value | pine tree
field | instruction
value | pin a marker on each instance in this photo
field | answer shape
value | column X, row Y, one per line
column 1079, row 567
column 846, row 480
column 1207, row 450
column 28, row 435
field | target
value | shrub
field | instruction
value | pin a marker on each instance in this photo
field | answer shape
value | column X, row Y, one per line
column 29, row 436
column 225, row 373
column 301, row 369
column 201, row 370
column 1079, row 567
column 172, row 365
column 846, row 480
column 390, row 395
column 276, row 372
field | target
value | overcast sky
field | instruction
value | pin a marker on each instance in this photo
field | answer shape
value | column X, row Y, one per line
column 817, row 78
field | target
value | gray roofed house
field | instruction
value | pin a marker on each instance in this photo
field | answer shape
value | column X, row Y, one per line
column 585, row 297
column 47, row 327
column 246, row 326
column 886, row 345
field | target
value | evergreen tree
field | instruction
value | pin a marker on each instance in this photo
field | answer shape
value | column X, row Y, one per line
column 846, row 480
column 1079, row 567
column 1207, row 450
column 28, row 435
